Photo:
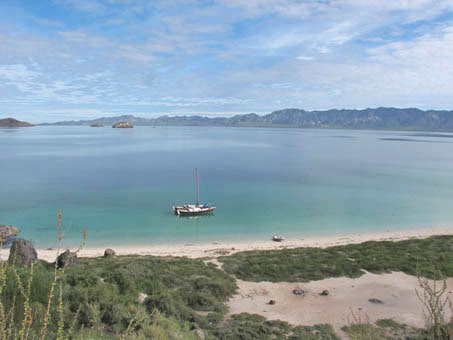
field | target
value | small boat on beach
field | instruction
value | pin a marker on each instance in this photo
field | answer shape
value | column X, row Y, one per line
column 278, row 238
column 194, row 209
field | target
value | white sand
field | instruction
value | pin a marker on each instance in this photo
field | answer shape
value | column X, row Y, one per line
column 219, row 248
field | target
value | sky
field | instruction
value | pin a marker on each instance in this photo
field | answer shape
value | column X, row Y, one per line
column 82, row 59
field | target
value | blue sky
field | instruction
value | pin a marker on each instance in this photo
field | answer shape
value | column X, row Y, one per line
column 80, row 59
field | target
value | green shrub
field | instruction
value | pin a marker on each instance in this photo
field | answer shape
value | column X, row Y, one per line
column 317, row 332
column 415, row 256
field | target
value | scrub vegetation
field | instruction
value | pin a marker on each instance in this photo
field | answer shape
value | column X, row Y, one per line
column 424, row 257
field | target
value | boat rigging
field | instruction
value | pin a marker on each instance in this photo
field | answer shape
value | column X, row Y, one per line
column 194, row 209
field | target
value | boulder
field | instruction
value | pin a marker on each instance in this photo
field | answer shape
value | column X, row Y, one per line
column 22, row 253
column 8, row 231
column 66, row 259
column 325, row 292
column 109, row 252
column 271, row 302
column 122, row 125
column 374, row 300
column 298, row 292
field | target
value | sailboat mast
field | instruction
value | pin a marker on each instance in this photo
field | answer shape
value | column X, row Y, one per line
column 198, row 194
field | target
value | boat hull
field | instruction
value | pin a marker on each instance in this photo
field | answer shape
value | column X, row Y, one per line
column 184, row 211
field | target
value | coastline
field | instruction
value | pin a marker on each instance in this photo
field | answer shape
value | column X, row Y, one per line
column 216, row 249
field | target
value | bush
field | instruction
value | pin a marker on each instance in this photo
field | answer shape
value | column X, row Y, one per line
column 307, row 264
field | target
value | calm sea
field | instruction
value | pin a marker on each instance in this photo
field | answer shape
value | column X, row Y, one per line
column 121, row 183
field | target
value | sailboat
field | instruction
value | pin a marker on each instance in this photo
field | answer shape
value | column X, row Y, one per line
column 194, row 209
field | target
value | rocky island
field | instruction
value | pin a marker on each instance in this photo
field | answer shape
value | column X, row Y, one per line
column 122, row 125
column 11, row 122
column 97, row 125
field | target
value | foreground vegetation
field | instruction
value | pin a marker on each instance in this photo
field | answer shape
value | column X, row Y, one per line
column 148, row 297
column 133, row 297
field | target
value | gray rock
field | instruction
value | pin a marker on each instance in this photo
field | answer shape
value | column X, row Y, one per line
column 7, row 231
column 374, row 300
column 122, row 125
column 109, row 252
column 22, row 253
column 325, row 292
column 66, row 259
column 271, row 302
column 298, row 292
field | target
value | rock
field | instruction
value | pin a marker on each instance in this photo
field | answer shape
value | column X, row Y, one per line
column 22, row 253
column 66, row 259
column 9, row 242
column 8, row 231
column 299, row 292
column 221, row 252
column 122, row 125
column 374, row 300
column 325, row 292
column 109, row 252
column 271, row 302
column 97, row 125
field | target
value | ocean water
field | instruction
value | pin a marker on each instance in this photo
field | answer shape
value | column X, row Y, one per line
column 121, row 183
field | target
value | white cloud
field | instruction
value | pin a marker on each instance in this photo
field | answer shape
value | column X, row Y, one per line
column 228, row 56
column 304, row 57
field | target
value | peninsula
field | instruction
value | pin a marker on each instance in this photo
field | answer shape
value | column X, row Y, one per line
column 11, row 122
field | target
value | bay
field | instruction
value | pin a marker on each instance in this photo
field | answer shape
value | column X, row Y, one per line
column 121, row 183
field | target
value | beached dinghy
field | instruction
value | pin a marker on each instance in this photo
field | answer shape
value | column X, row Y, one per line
column 193, row 209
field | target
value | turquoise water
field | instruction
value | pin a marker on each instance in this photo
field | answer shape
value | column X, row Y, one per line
column 121, row 183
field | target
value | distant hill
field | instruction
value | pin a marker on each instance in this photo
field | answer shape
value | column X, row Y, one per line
column 11, row 122
column 377, row 118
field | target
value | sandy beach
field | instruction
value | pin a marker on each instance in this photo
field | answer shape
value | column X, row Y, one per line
column 215, row 249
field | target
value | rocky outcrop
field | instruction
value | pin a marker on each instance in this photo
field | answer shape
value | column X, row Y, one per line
column 97, row 125
column 11, row 122
column 66, row 259
column 109, row 252
column 22, row 253
column 7, row 231
column 122, row 125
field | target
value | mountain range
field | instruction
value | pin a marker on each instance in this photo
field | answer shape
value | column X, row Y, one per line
column 371, row 118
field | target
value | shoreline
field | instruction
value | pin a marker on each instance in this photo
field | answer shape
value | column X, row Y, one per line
column 216, row 249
